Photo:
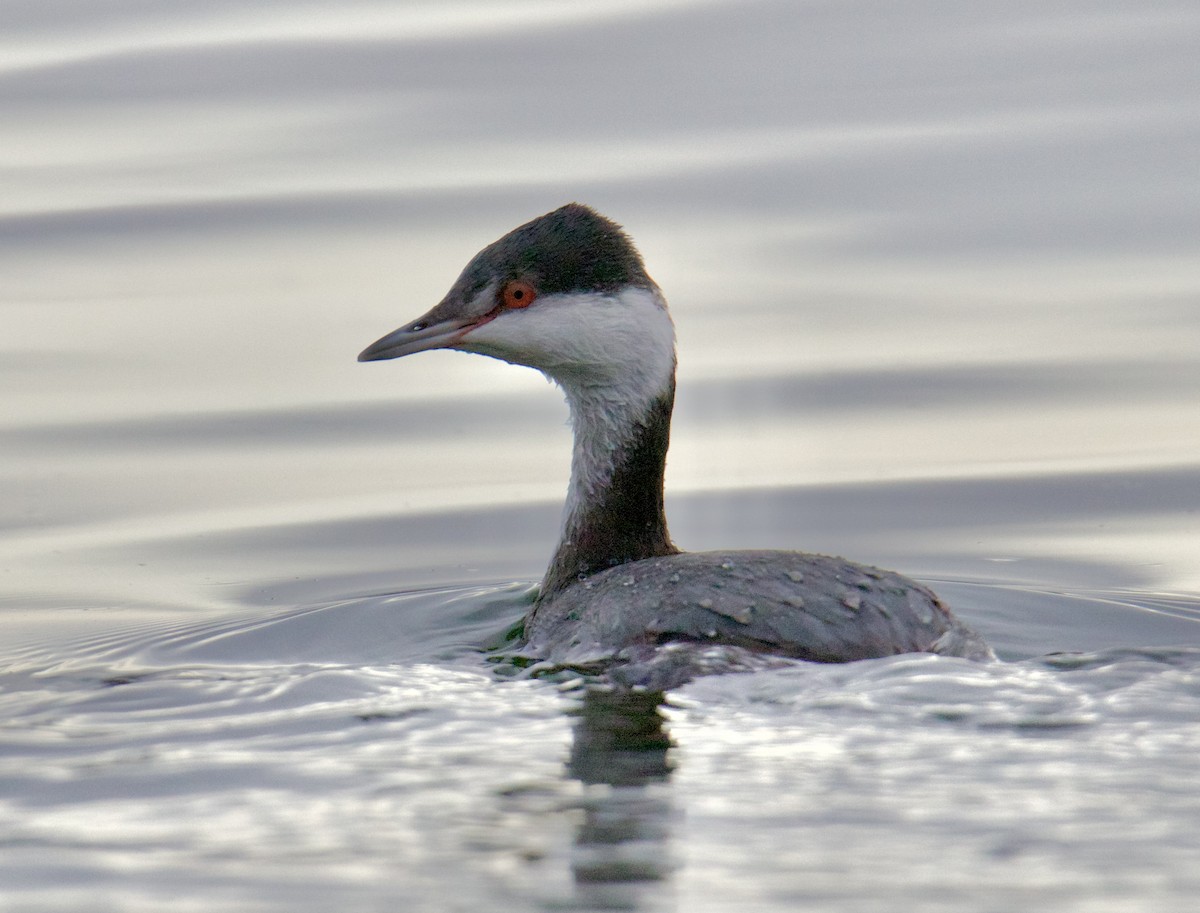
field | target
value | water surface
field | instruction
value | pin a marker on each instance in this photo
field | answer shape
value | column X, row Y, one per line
column 935, row 279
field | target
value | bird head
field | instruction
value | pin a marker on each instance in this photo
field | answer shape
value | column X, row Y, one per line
column 566, row 293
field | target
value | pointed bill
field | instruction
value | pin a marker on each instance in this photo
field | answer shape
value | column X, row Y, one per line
column 419, row 336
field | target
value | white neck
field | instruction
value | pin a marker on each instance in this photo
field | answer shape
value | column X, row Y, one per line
column 611, row 393
column 612, row 354
column 614, row 357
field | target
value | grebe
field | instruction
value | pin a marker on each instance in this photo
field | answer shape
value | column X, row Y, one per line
column 568, row 294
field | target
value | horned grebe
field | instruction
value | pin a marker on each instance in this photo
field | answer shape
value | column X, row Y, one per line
column 568, row 294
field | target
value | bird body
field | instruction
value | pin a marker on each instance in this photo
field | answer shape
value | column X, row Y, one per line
column 568, row 294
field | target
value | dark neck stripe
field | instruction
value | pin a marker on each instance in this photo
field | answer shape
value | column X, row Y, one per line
column 625, row 520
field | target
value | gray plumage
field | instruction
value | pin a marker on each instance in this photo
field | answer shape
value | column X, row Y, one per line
column 618, row 595
column 793, row 604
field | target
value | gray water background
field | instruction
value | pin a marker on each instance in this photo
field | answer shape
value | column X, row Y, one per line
column 935, row 273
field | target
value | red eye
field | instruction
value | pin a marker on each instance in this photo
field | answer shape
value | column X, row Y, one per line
column 518, row 294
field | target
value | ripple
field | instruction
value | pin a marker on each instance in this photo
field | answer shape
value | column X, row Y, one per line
column 1062, row 691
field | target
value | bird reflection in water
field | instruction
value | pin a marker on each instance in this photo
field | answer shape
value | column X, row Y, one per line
column 620, row 753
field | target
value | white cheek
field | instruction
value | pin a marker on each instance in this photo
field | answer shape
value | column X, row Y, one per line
column 613, row 356
column 626, row 341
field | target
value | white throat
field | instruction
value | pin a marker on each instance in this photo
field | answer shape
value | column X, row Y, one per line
column 612, row 354
column 633, row 343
